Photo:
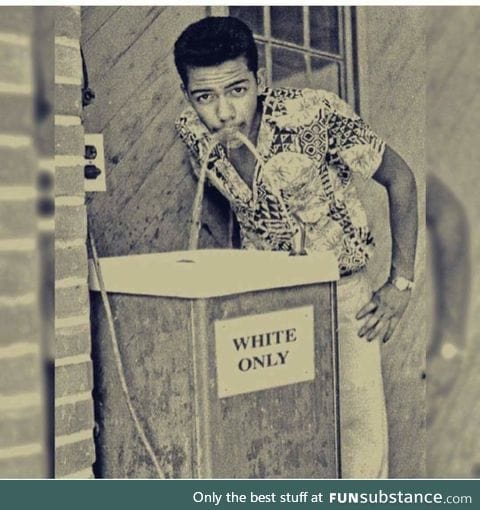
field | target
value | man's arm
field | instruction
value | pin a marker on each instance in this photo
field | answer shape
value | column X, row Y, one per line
column 382, row 313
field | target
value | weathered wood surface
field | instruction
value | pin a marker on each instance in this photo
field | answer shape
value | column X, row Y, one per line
column 280, row 432
column 150, row 187
column 153, row 337
column 286, row 432
column 93, row 18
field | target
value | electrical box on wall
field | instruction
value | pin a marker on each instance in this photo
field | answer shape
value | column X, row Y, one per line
column 94, row 165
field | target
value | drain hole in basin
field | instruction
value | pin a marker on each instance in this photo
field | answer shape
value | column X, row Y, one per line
column 186, row 261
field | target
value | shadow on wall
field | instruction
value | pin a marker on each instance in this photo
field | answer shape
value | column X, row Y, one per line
column 450, row 292
column 452, row 204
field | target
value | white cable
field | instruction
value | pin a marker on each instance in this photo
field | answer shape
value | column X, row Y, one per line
column 198, row 200
column 118, row 361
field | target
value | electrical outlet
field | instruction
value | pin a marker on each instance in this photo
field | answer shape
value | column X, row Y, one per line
column 96, row 158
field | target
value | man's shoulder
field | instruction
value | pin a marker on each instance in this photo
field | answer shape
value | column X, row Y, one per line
column 187, row 116
column 295, row 107
column 307, row 102
column 292, row 93
column 188, row 124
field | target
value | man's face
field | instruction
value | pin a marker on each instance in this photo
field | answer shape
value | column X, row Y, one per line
column 225, row 98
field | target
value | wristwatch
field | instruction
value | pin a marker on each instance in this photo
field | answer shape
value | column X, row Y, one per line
column 402, row 283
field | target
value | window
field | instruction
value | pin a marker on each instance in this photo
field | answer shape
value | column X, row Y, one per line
column 303, row 46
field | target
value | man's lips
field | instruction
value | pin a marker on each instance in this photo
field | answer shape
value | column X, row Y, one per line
column 228, row 133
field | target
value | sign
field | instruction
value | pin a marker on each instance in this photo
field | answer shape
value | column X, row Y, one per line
column 263, row 351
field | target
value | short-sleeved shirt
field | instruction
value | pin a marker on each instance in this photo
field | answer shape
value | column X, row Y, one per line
column 310, row 143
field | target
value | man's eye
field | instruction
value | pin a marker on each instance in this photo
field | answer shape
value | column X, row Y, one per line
column 238, row 91
column 204, row 98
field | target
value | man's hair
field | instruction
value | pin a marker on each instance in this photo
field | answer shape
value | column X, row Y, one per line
column 212, row 41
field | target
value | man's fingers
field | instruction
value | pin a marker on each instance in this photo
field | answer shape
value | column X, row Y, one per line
column 388, row 332
column 379, row 330
column 370, row 323
column 370, row 307
column 391, row 328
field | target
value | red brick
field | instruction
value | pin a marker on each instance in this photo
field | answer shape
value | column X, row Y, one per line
column 19, row 375
column 18, row 219
column 68, row 62
column 68, row 99
column 17, row 114
column 69, row 140
column 72, row 341
column 69, row 181
column 17, row 20
column 71, row 418
column 71, row 262
column 67, row 22
column 22, row 426
column 15, row 62
column 18, row 167
column 33, row 466
column 74, row 457
column 44, row 56
column 19, row 323
column 44, row 137
column 71, row 379
column 18, row 272
column 71, row 301
column 71, row 222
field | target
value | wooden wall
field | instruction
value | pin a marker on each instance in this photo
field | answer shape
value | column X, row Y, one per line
column 150, row 187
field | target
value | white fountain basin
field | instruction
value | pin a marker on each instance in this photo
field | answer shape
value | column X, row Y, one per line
column 211, row 273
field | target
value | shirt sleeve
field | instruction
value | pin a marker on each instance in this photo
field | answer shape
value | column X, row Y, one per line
column 351, row 142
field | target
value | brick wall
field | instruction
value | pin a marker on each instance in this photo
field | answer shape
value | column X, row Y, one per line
column 22, row 396
column 74, row 445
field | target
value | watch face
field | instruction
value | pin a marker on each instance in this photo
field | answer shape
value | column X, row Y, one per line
column 402, row 283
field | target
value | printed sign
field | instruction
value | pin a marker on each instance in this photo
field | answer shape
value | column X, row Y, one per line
column 263, row 351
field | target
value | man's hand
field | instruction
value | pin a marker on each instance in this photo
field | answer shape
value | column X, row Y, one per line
column 383, row 312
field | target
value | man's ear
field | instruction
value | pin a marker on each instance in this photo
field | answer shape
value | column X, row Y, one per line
column 261, row 79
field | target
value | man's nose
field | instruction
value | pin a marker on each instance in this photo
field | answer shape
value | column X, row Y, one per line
column 225, row 110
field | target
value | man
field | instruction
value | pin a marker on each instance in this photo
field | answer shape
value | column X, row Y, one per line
column 309, row 145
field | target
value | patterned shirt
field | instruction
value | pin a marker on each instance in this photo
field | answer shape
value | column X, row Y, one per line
column 311, row 143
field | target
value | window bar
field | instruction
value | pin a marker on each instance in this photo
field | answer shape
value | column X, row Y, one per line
column 268, row 44
column 306, row 43
column 341, row 39
column 361, row 61
column 348, row 52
